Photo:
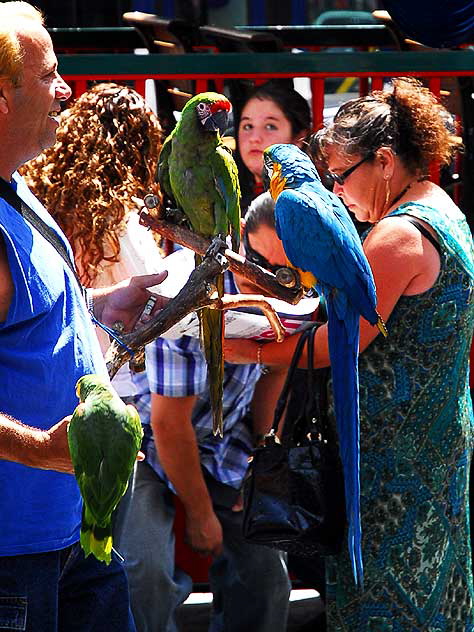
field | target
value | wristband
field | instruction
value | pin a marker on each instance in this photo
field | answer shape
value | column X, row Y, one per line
column 89, row 300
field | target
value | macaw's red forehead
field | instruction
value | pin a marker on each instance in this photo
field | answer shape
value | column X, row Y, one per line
column 222, row 104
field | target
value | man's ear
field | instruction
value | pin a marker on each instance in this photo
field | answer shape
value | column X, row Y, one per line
column 242, row 226
column 4, row 85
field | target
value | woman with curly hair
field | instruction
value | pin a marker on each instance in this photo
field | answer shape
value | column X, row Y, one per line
column 106, row 152
column 416, row 415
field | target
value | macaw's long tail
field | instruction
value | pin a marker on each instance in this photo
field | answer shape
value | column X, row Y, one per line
column 212, row 341
column 343, row 336
column 96, row 539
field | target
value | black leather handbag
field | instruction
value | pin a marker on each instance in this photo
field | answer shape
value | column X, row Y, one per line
column 294, row 488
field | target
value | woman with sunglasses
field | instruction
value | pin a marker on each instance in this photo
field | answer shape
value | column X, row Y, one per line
column 415, row 408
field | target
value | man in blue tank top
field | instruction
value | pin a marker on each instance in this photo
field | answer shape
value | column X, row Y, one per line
column 47, row 341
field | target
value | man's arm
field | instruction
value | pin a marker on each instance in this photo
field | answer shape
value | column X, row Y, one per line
column 44, row 449
column 177, row 448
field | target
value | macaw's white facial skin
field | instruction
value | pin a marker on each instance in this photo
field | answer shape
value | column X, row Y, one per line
column 28, row 112
column 262, row 124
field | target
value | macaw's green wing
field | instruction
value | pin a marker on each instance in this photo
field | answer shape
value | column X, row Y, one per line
column 226, row 178
column 163, row 174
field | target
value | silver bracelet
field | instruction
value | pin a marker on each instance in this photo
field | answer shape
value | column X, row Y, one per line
column 147, row 310
column 89, row 300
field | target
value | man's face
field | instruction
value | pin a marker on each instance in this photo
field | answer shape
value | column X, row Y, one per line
column 35, row 103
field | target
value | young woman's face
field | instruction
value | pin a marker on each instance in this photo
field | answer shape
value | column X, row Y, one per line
column 262, row 124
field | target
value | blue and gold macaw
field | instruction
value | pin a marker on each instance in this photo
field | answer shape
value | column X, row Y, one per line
column 320, row 240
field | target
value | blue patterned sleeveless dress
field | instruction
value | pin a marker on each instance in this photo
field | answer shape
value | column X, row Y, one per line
column 416, row 441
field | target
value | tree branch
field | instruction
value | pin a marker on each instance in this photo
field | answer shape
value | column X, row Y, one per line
column 198, row 292
column 265, row 280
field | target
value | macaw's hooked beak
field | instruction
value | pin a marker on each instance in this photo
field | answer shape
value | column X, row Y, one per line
column 267, row 170
column 217, row 122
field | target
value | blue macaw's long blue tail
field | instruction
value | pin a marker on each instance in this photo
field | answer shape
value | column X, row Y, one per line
column 343, row 338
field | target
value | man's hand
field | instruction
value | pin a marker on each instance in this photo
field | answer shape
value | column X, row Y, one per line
column 44, row 449
column 125, row 301
column 204, row 534
column 53, row 451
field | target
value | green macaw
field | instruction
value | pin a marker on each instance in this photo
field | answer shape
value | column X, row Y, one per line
column 104, row 437
column 198, row 173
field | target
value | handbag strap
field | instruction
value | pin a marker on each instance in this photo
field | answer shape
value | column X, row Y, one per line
column 321, row 424
column 283, row 399
column 15, row 201
column 310, row 372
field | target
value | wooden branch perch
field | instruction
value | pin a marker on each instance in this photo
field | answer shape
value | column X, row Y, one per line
column 238, row 264
column 235, row 301
column 197, row 293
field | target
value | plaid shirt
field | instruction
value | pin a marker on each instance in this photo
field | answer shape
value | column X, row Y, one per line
column 177, row 368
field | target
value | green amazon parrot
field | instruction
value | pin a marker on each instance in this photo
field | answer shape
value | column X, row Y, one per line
column 198, row 173
column 104, row 437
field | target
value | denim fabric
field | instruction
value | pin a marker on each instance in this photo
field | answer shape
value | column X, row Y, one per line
column 62, row 591
column 250, row 584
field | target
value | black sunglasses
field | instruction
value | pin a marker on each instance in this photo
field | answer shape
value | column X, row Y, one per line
column 255, row 257
column 340, row 178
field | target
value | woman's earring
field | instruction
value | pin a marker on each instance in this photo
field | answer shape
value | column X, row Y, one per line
column 387, row 193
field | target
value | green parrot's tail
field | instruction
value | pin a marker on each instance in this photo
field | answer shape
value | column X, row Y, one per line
column 96, row 539
column 212, row 338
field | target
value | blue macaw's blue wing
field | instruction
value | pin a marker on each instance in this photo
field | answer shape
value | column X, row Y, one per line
column 343, row 339
column 319, row 236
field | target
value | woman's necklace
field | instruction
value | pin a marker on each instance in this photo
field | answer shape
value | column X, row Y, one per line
column 401, row 194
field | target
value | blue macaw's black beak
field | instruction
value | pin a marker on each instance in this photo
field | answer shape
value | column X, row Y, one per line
column 218, row 121
column 268, row 163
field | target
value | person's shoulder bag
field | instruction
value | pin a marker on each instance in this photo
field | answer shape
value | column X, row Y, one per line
column 294, row 488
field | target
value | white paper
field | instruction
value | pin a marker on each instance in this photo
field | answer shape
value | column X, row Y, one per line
column 242, row 323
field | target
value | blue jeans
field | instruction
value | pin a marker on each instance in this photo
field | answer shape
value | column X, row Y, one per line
column 249, row 583
column 61, row 591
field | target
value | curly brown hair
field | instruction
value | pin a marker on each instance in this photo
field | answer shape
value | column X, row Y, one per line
column 106, row 151
column 408, row 119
